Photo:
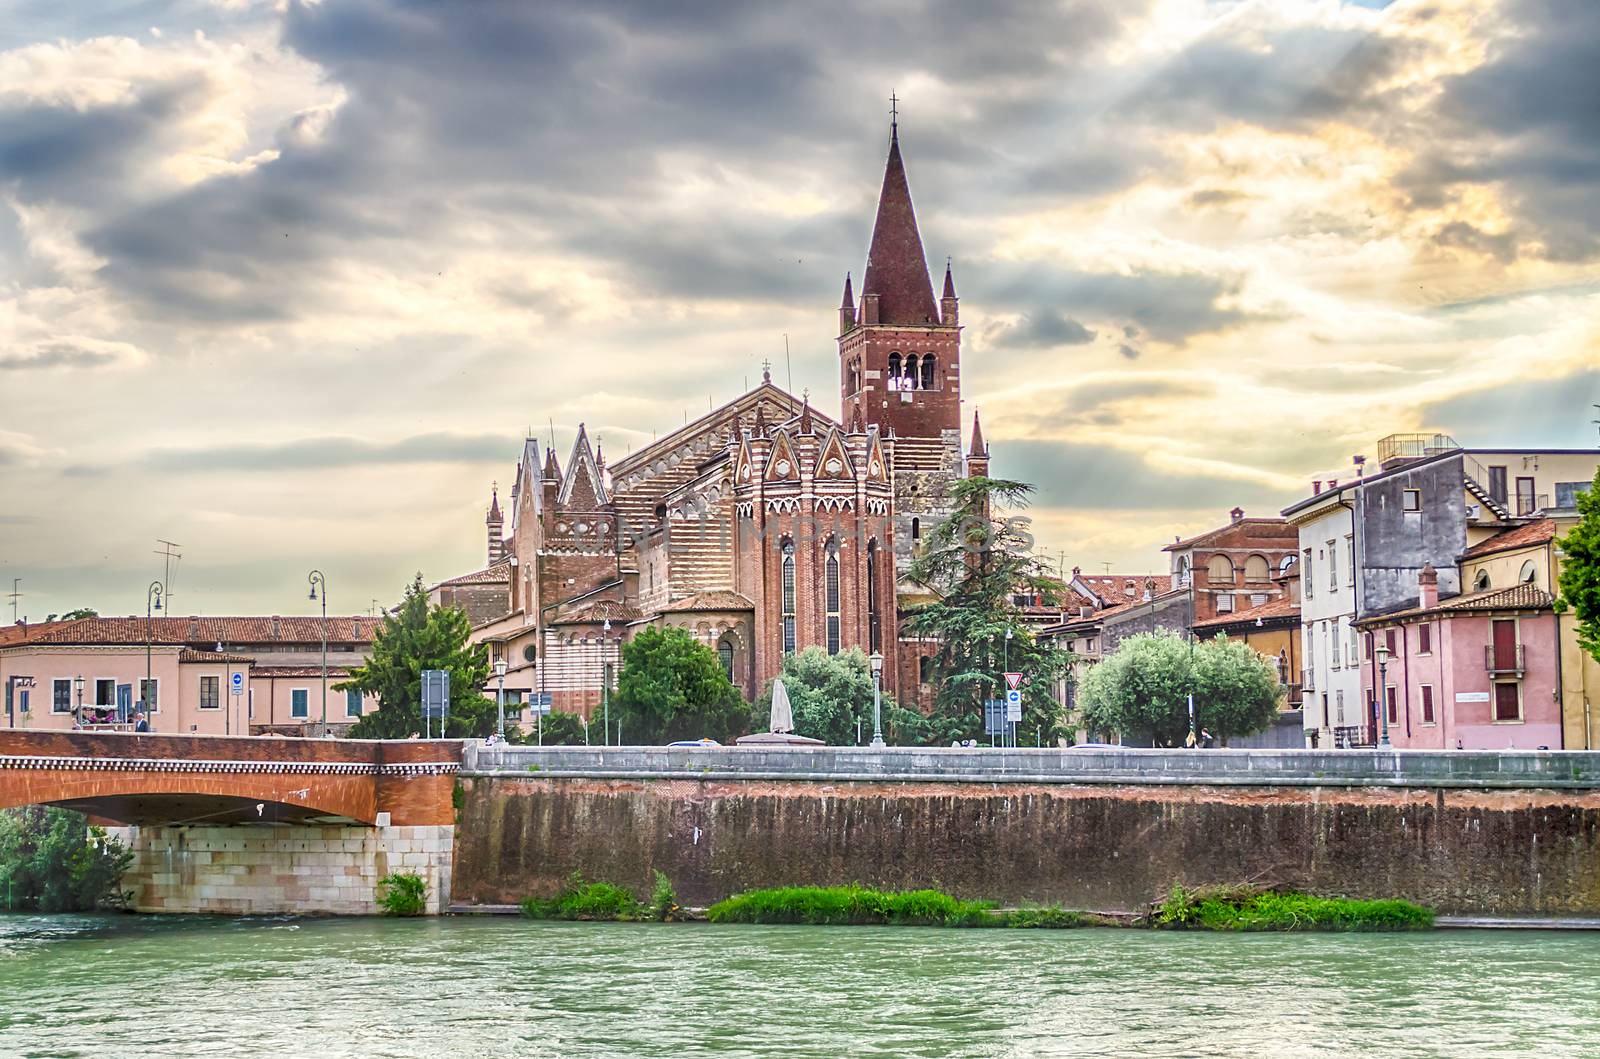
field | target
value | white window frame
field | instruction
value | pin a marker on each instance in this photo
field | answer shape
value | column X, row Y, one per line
column 1333, row 566
column 1225, row 603
column 1350, row 559
column 1494, row 705
column 97, row 704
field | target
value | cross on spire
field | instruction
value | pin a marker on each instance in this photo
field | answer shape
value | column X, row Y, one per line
column 766, row 369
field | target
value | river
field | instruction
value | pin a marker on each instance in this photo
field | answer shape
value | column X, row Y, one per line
column 154, row 986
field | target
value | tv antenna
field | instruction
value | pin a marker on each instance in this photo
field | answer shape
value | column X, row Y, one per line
column 16, row 594
column 169, row 552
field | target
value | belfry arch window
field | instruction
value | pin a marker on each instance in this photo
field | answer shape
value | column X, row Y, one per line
column 874, row 631
column 831, row 592
column 894, row 371
column 911, row 371
column 855, row 376
column 788, row 598
column 928, row 364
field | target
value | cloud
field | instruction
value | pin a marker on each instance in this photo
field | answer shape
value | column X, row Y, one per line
column 70, row 353
column 1550, row 412
column 322, row 453
column 1080, row 475
column 1041, row 329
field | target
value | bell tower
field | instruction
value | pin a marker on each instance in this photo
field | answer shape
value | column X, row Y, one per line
column 899, row 349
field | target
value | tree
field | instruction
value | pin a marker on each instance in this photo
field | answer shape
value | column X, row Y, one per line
column 974, row 564
column 829, row 694
column 672, row 687
column 417, row 636
column 1580, row 570
column 557, row 729
column 81, row 612
column 51, row 860
column 1142, row 690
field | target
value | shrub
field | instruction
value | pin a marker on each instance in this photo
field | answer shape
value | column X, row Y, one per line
column 663, row 899
column 850, row 905
column 581, row 900
column 1247, row 908
column 51, row 860
column 402, row 894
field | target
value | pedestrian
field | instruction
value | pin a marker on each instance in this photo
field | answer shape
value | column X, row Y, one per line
column 1190, row 740
column 1206, row 739
column 140, row 722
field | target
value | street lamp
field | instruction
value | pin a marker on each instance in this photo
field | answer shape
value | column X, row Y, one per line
column 877, row 697
column 77, row 684
column 316, row 579
column 500, row 698
column 1005, row 665
column 152, row 602
column 605, row 681
column 1382, row 697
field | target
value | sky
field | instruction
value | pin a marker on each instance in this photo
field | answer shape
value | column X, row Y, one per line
column 287, row 283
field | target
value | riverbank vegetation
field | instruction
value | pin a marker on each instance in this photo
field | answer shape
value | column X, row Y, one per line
column 1236, row 908
column 51, row 860
column 402, row 894
column 605, row 902
column 1247, row 908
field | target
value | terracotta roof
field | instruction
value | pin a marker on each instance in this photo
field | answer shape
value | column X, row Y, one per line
column 303, row 672
column 897, row 271
column 712, row 599
column 188, row 654
column 1258, row 531
column 196, row 630
column 1121, row 588
column 498, row 574
column 1271, row 609
column 1516, row 597
column 599, row 611
column 1540, row 532
column 20, row 632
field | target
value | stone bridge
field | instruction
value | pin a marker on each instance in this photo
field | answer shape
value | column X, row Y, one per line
column 250, row 824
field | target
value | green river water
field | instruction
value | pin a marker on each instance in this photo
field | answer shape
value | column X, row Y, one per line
column 146, row 986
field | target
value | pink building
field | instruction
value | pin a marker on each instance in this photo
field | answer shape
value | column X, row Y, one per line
column 205, row 676
column 1479, row 671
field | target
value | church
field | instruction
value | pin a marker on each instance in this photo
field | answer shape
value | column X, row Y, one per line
column 764, row 527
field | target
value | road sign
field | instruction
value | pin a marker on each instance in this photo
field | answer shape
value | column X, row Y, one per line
column 236, row 683
column 994, row 716
column 1013, row 705
column 435, row 692
column 1013, row 681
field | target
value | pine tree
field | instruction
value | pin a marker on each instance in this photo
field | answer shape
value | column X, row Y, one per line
column 975, row 563
column 1580, row 569
column 416, row 637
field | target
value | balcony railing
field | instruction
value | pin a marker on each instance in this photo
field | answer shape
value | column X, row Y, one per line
column 1353, row 735
column 1529, row 504
column 1504, row 660
column 1308, row 681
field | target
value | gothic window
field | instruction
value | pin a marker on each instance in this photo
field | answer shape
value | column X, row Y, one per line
column 788, row 598
column 725, row 654
column 831, row 577
column 894, row 371
column 911, row 372
column 874, row 631
column 927, row 371
column 855, row 376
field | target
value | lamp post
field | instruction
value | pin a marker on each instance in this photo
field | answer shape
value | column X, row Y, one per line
column 1382, row 696
column 500, row 697
column 316, row 579
column 877, row 698
column 152, row 602
column 1008, row 734
column 77, row 685
column 605, row 681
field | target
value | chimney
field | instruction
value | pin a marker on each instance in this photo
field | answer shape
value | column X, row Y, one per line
column 1428, row 587
column 1316, row 487
column 1236, row 514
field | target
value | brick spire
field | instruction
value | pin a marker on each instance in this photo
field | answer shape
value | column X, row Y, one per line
column 494, row 504
column 949, row 281
column 897, row 272
column 847, row 308
column 978, row 447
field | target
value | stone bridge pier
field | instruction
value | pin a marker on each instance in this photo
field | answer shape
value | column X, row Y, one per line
column 251, row 826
